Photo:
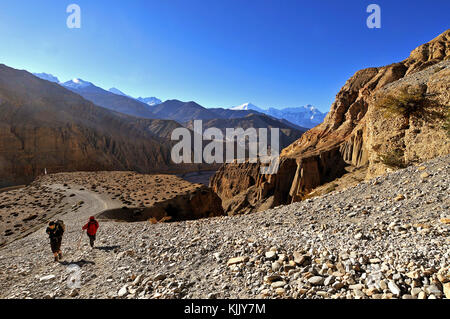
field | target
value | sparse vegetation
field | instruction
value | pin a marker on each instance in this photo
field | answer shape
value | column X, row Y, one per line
column 447, row 123
column 393, row 159
column 331, row 188
column 406, row 101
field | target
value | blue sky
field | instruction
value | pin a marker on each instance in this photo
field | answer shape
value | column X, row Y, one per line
column 219, row 53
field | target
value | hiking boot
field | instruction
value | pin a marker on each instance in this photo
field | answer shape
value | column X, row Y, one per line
column 60, row 255
column 56, row 259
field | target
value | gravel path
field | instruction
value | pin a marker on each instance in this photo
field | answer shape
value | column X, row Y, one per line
column 384, row 238
column 92, row 204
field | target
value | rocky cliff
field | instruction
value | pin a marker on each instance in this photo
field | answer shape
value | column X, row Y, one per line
column 382, row 118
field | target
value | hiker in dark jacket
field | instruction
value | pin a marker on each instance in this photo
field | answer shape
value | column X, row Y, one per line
column 55, row 231
column 91, row 229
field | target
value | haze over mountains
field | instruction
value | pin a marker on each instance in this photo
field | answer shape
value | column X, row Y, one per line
column 305, row 116
column 48, row 77
column 111, row 101
column 288, row 133
column 118, row 92
column 152, row 101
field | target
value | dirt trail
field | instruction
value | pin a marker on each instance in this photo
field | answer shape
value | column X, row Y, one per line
column 37, row 243
column 93, row 204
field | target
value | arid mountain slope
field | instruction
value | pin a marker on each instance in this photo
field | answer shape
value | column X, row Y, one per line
column 114, row 102
column 45, row 126
column 382, row 117
column 233, row 114
column 182, row 111
column 288, row 134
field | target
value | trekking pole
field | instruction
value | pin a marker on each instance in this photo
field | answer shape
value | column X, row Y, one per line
column 79, row 240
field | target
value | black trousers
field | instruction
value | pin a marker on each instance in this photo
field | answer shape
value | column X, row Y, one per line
column 55, row 244
column 91, row 239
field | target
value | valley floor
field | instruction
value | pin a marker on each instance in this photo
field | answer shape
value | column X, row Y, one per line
column 384, row 238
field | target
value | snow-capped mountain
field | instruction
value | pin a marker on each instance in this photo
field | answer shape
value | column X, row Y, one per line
column 76, row 84
column 305, row 116
column 46, row 76
column 247, row 107
column 152, row 101
column 108, row 100
column 113, row 99
column 118, row 92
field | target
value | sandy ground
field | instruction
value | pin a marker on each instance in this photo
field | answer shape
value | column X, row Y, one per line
column 201, row 177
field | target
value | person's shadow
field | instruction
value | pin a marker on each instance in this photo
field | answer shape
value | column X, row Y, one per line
column 107, row 248
column 79, row 263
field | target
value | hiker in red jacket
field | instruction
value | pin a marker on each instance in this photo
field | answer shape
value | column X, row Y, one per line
column 91, row 227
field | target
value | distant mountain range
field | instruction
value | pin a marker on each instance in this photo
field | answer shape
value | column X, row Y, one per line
column 247, row 107
column 100, row 97
column 305, row 116
column 48, row 77
column 118, row 92
column 183, row 111
column 288, row 133
column 153, row 108
column 152, row 101
column 108, row 100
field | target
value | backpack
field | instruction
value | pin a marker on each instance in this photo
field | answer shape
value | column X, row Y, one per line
column 61, row 226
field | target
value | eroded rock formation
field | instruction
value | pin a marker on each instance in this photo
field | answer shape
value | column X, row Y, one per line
column 193, row 204
column 356, row 132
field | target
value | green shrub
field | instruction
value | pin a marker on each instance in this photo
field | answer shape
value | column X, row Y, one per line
column 404, row 102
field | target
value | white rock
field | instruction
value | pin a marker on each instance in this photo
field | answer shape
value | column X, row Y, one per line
column 316, row 280
column 278, row 284
column 329, row 280
column 271, row 255
column 47, row 278
column 394, row 288
column 358, row 236
column 123, row 291
column 137, row 280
